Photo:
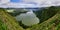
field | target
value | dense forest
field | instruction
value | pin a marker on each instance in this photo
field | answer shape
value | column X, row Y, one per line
column 49, row 20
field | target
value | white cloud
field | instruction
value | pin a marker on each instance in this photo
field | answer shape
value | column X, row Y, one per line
column 38, row 3
column 4, row 1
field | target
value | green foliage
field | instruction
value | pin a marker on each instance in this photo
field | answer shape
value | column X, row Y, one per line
column 50, row 24
column 47, row 13
column 50, row 20
column 2, row 25
column 9, row 21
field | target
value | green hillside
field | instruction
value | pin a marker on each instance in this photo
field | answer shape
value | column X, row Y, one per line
column 52, row 23
column 8, row 22
column 49, row 20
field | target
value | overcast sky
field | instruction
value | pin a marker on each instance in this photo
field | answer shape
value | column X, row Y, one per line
column 30, row 3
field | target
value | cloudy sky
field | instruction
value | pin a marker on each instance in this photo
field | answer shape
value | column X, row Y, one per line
column 29, row 3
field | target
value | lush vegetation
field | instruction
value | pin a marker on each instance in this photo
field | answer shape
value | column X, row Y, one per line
column 9, row 21
column 49, row 20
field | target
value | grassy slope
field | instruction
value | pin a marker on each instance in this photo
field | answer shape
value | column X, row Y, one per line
column 2, row 25
column 52, row 23
column 9, row 21
column 47, row 13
